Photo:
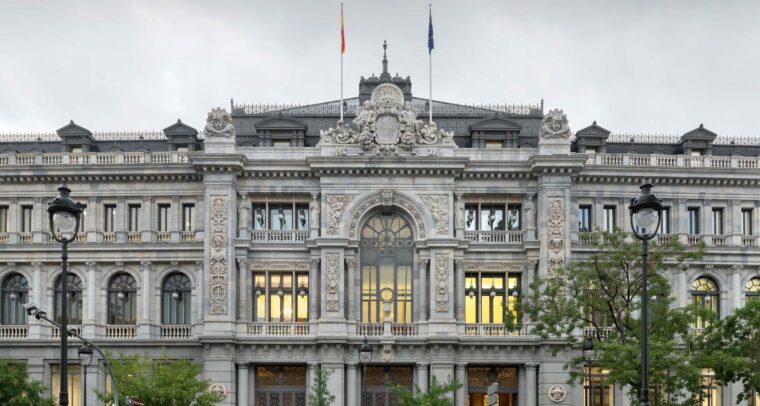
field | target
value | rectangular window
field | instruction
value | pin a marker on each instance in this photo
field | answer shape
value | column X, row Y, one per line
column 3, row 219
column 609, row 219
column 302, row 216
column 134, row 218
column 513, row 217
column 471, row 217
column 485, row 297
column 717, row 216
column 26, row 219
column 281, row 216
column 693, row 213
column 73, row 381
column 491, row 217
column 109, row 212
column 598, row 392
column 746, row 221
column 83, row 219
column 281, row 297
column 665, row 221
column 711, row 389
column 259, row 216
column 584, row 218
column 163, row 217
column 281, row 143
column 188, row 217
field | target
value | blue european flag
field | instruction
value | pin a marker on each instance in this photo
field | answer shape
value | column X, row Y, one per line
column 431, row 44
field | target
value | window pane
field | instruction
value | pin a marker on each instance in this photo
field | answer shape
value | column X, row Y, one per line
column 188, row 217
column 665, row 221
column 3, row 219
column 492, row 217
column 717, row 221
column 73, row 381
column 471, row 217
column 259, row 216
column 693, row 220
column 609, row 219
column 281, row 216
column 513, row 217
column 302, row 216
column 584, row 218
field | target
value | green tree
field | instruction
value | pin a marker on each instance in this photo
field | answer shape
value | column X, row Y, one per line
column 159, row 381
column 319, row 395
column 600, row 295
column 17, row 390
column 730, row 347
column 437, row 395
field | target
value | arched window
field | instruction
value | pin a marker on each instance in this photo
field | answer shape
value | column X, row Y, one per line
column 752, row 290
column 122, row 300
column 74, row 290
column 15, row 292
column 175, row 299
column 386, row 265
column 705, row 295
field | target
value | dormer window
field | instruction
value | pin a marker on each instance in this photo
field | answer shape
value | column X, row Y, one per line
column 494, row 144
column 696, row 152
column 591, row 150
column 281, row 143
column 76, row 149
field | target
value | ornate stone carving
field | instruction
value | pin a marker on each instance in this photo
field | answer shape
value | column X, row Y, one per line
column 555, row 126
column 377, row 199
column 557, row 393
column 219, row 124
column 244, row 209
column 439, row 209
column 530, row 212
column 493, row 267
column 459, row 212
column 387, row 197
column 387, row 123
column 336, row 204
column 280, row 266
column 218, row 260
column 333, row 281
column 442, row 282
column 314, row 210
column 219, row 390
column 556, row 236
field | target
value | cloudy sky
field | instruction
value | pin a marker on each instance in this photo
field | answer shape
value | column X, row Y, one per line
column 635, row 66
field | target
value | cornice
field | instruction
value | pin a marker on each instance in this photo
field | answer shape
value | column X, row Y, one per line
column 556, row 164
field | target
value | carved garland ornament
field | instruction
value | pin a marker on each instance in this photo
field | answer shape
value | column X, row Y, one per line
column 218, row 260
column 556, row 236
column 333, row 281
column 439, row 209
column 442, row 283
column 336, row 204
column 381, row 198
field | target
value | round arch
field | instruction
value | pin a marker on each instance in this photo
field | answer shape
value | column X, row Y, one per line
column 388, row 200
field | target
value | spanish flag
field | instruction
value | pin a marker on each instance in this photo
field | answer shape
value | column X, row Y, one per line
column 342, row 32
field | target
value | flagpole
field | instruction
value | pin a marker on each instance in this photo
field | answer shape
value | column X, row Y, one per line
column 342, row 44
column 430, row 62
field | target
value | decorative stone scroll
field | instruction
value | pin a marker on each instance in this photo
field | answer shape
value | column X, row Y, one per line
column 333, row 281
column 218, row 257
column 386, row 123
column 336, row 204
column 219, row 124
column 556, row 236
column 442, row 283
column 555, row 126
column 439, row 209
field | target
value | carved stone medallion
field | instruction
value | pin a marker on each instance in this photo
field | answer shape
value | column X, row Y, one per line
column 557, row 393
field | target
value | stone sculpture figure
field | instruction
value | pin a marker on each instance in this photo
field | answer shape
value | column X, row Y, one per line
column 555, row 126
column 219, row 124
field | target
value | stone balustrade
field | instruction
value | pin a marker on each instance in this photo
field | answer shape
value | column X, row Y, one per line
column 495, row 237
column 75, row 328
column 13, row 332
column 673, row 161
column 94, row 158
column 279, row 236
column 121, row 332
column 278, row 329
column 176, row 331
column 500, row 330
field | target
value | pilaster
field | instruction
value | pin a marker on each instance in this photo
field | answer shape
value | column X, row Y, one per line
column 314, row 289
column 461, row 376
column 459, row 289
column 422, row 376
column 91, row 328
column 243, row 289
column 144, row 326
column 242, row 383
column 244, row 210
column 39, row 221
column 422, row 265
column 36, row 328
column 531, row 384
column 120, row 221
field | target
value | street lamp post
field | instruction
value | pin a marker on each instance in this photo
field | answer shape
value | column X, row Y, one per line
column 588, row 359
column 85, row 359
column 645, row 221
column 64, row 224
column 365, row 356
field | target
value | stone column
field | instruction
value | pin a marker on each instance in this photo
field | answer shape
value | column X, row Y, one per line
column 310, row 374
column 351, row 275
column 120, row 221
column 422, row 376
column 243, row 289
column 352, row 397
column 461, row 376
column 92, row 295
column 40, row 222
column 314, row 289
column 146, row 219
column 175, row 212
column 242, row 384
column 36, row 328
column 459, row 286
column 531, row 384
column 422, row 264
column 735, row 223
column 144, row 325
column 91, row 219
column 735, row 289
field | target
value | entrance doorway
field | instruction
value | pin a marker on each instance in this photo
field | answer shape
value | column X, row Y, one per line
column 278, row 385
column 377, row 381
column 480, row 377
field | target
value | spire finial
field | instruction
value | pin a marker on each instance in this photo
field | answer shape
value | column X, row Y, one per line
column 385, row 74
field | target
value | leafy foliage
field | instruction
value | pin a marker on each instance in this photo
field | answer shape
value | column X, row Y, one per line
column 159, row 382
column 730, row 347
column 600, row 295
column 437, row 395
column 319, row 395
column 17, row 390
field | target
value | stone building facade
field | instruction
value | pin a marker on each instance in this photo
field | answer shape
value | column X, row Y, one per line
column 274, row 242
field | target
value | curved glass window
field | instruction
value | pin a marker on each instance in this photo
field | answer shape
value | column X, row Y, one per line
column 74, row 300
column 752, row 290
column 15, row 292
column 175, row 299
column 122, row 299
column 705, row 295
column 386, row 263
